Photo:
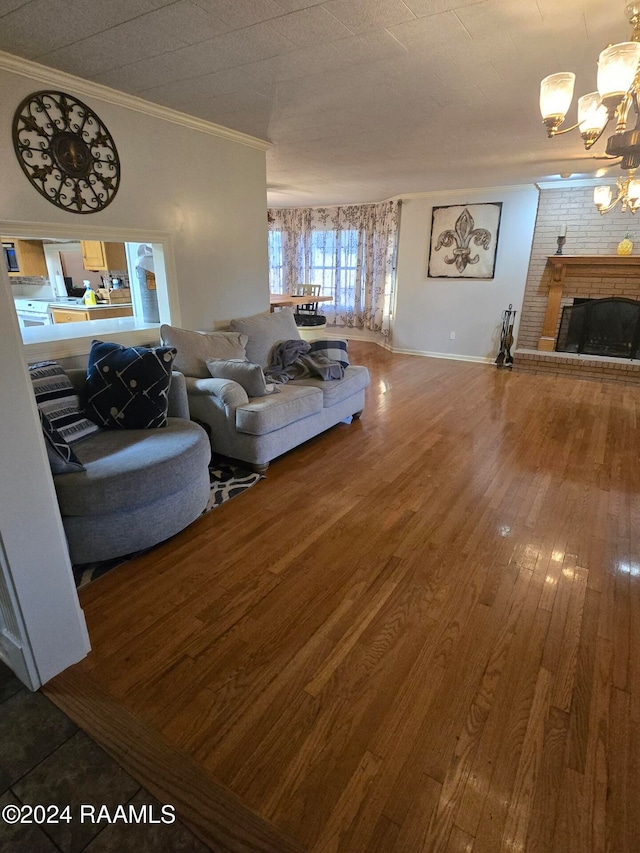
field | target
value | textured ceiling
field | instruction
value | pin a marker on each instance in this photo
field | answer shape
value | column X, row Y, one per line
column 362, row 99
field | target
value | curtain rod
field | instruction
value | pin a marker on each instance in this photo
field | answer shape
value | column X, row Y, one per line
column 331, row 206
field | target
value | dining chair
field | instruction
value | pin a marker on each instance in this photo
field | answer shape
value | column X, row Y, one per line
column 308, row 313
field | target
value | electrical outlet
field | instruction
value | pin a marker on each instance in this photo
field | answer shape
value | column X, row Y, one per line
column 452, row 336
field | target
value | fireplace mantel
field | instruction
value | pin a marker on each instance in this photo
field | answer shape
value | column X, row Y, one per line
column 598, row 265
column 604, row 264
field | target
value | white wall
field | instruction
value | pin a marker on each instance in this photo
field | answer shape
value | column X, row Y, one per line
column 427, row 310
column 209, row 194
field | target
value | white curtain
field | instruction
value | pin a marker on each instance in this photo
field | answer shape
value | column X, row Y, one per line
column 350, row 251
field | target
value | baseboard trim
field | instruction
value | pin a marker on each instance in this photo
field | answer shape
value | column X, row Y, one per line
column 475, row 359
column 386, row 344
column 352, row 334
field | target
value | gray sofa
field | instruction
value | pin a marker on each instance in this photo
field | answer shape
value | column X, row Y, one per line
column 139, row 487
column 256, row 430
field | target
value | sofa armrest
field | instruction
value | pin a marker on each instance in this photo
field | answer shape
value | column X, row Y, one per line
column 178, row 400
column 230, row 393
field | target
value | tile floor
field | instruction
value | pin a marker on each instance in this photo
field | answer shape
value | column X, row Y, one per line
column 46, row 759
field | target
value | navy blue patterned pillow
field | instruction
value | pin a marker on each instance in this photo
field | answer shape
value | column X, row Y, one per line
column 62, row 459
column 128, row 387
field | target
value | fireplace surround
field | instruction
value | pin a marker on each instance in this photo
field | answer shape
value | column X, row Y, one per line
column 605, row 268
column 574, row 348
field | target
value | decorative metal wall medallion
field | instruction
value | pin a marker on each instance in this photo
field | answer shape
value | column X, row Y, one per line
column 66, row 152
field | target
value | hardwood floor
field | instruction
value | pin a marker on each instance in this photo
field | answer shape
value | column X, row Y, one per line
column 420, row 633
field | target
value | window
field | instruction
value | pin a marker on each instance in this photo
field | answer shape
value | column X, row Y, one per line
column 349, row 251
column 334, row 265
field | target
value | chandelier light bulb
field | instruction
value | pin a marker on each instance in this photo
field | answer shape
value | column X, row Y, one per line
column 592, row 117
column 617, row 67
column 633, row 192
column 602, row 197
column 556, row 92
column 591, row 114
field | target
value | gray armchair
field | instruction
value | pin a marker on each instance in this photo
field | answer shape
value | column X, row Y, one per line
column 139, row 487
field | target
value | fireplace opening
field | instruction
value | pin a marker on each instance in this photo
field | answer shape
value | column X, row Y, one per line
column 600, row 327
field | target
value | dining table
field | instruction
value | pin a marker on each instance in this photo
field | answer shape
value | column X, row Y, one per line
column 282, row 300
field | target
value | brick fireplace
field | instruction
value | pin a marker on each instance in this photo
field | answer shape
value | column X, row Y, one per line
column 593, row 270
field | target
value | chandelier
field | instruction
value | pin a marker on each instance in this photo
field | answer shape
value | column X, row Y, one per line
column 617, row 99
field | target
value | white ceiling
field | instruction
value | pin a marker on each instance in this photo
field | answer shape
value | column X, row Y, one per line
column 362, row 99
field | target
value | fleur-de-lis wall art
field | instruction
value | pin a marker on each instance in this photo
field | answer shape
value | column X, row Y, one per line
column 461, row 238
column 464, row 241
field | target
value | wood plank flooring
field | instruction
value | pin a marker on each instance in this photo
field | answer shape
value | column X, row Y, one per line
column 420, row 633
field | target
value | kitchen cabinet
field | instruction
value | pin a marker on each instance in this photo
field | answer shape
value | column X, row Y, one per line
column 30, row 257
column 97, row 255
column 86, row 312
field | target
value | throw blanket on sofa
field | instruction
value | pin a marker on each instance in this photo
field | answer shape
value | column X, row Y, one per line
column 292, row 360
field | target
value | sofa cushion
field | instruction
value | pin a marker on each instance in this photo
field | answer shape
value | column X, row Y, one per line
column 128, row 387
column 59, row 402
column 335, row 390
column 194, row 348
column 266, row 414
column 264, row 331
column 127, row 468
column 245, row 373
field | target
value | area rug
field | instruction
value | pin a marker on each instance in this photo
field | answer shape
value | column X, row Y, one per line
column 227, row 481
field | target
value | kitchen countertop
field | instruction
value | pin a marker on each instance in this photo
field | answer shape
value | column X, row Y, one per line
column 74, row 307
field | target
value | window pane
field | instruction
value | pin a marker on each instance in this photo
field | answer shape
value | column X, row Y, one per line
column 276, row 271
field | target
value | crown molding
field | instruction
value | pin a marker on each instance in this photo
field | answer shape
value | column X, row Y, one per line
column 54, row 77
column 454, row 191
column 578, row 182
column 400, row 197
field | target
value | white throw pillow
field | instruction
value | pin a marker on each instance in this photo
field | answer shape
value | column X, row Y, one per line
column 245, row 373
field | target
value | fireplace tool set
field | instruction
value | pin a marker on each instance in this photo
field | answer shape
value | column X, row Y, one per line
column 505, row 359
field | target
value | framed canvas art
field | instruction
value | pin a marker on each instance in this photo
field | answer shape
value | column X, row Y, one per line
column 464, row 240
